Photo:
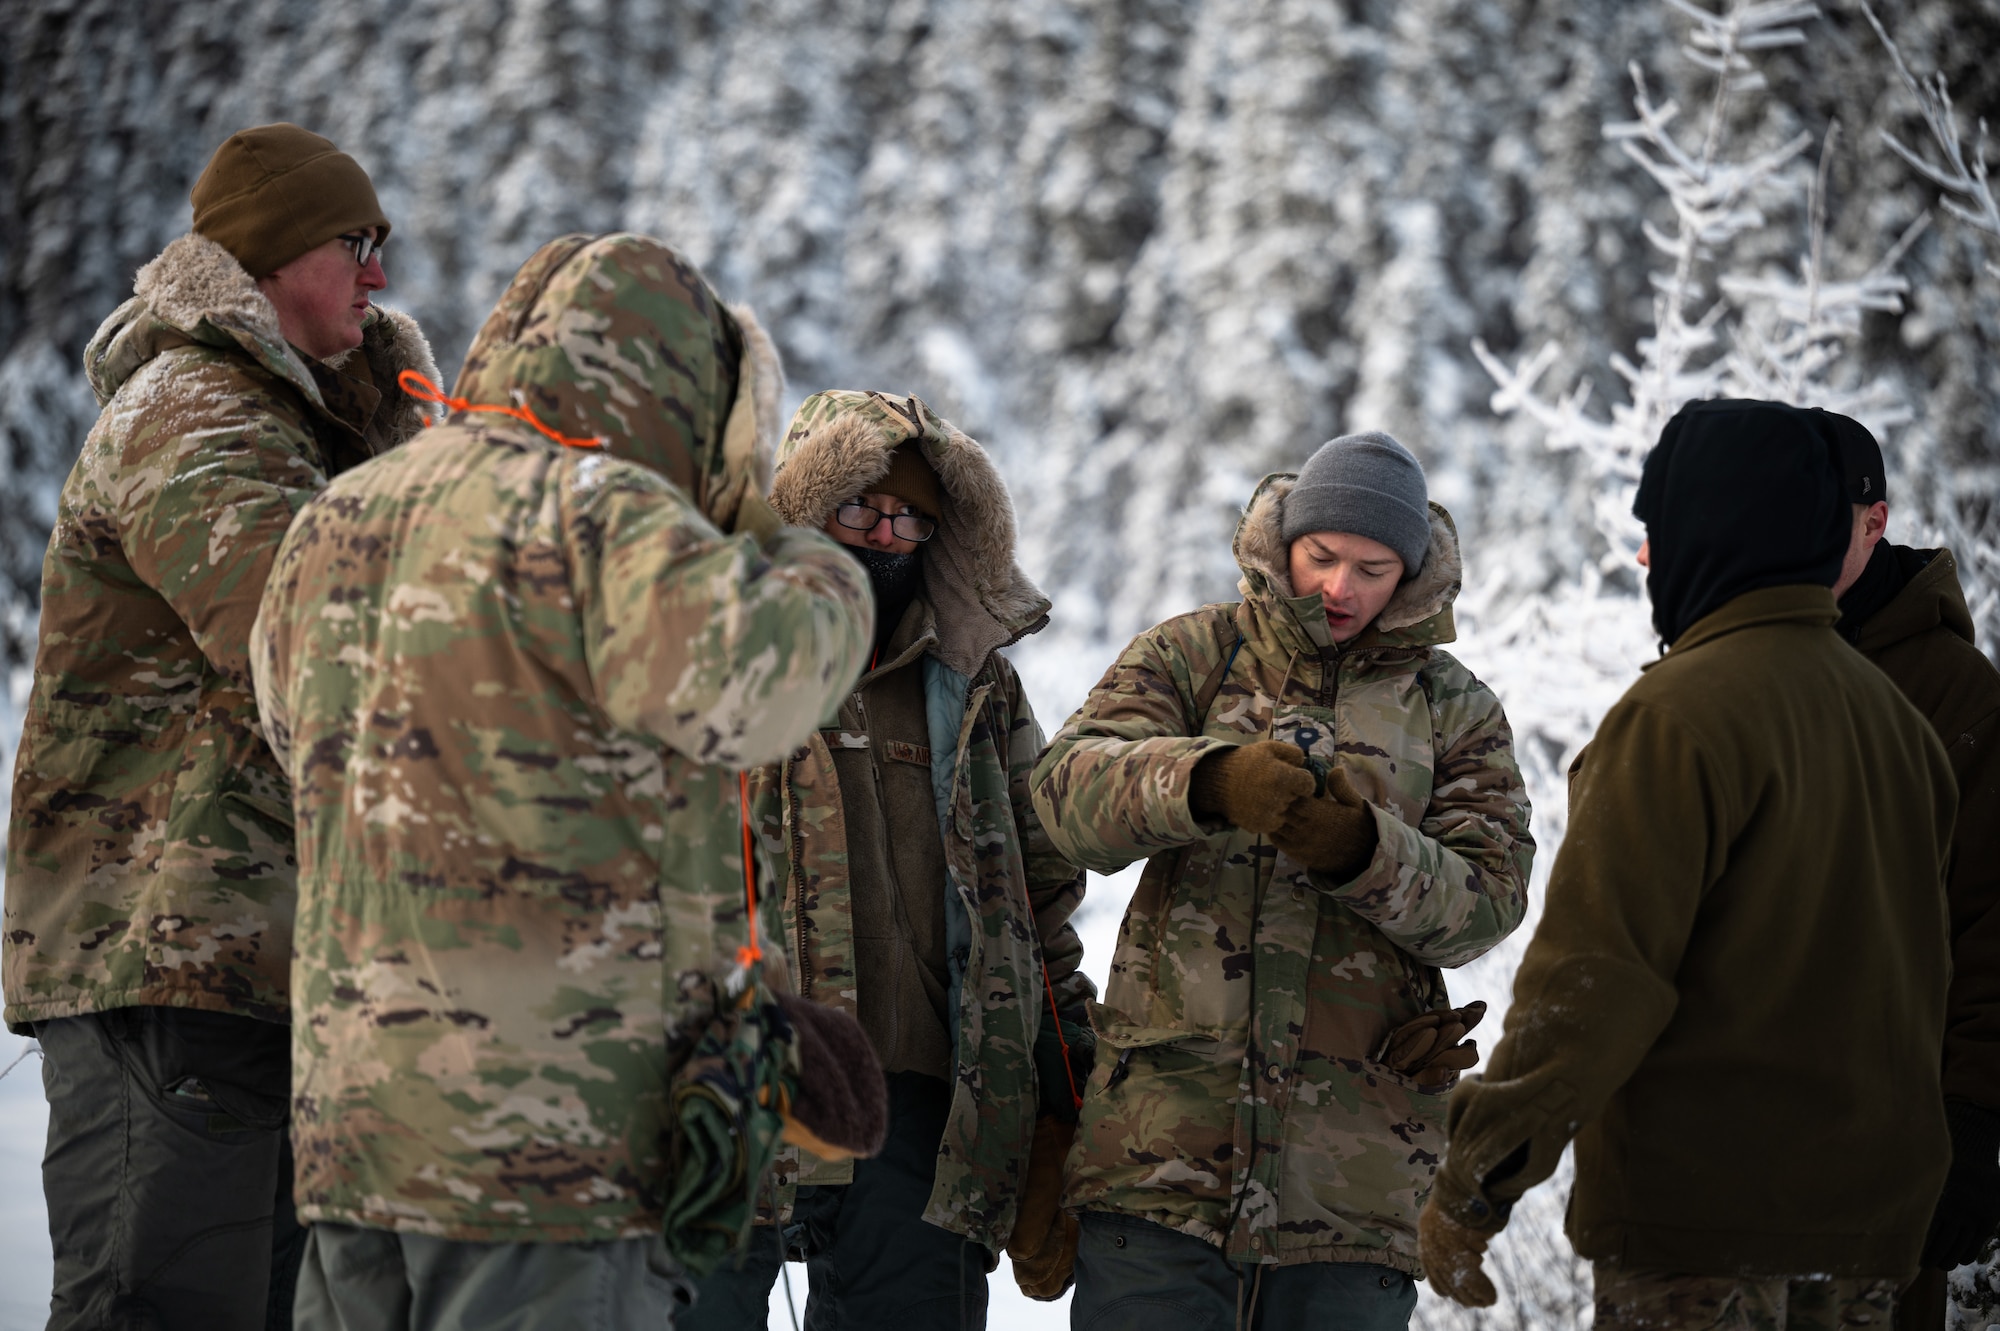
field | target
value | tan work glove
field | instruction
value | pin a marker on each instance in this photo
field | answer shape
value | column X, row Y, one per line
column 1428, row 1051
column 1043, row 1244
column 1334, row 833
column 1450, row 1253
column 1251, row 785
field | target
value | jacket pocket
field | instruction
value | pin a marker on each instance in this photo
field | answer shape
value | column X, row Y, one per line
column 1362, row 1159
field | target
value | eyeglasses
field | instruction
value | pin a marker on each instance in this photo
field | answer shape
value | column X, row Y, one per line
column 363, row 245
column 857, row 516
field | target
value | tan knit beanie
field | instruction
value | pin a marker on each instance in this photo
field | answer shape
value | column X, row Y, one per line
column 911, row 479
column 271, row 193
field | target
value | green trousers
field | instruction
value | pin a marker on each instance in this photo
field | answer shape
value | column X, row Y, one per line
column 373, row 1280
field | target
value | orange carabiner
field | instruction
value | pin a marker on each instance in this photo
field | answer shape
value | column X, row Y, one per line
column 423, row 390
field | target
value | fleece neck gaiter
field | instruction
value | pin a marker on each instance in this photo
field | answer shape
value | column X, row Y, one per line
column 1739, row 495
column 896, row 579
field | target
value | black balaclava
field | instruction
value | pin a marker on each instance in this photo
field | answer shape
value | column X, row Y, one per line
column 1739, row 495
column 896, row 579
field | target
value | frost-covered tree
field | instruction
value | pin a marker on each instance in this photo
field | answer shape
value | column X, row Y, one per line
column 1732, row 315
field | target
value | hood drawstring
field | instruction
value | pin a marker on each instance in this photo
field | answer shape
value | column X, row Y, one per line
column 752, row 951
column 423, row 390
column 1069, row 1073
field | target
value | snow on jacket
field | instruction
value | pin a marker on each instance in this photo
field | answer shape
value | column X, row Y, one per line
column 149, row 853
column 1010, row 894
column 512, row 681
column 1236, row 1097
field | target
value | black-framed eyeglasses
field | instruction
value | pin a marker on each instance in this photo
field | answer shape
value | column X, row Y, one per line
column 364, row 246
column 857, row 516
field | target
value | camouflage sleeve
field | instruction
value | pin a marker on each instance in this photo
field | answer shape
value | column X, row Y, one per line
column 206, row 503
column 1113, row 786
column 268, row 676
column 727, row 651
column 1595, row 987
column 1055, row 886
column 1451, row 887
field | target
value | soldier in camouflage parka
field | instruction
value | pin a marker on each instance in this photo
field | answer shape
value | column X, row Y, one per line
column 512, row 682
column 1236, row 1097
column 149, row 856
column 1010, row 895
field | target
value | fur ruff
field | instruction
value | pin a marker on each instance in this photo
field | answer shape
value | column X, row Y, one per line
column 1262, row 548
column 769, row 371
column 194, row 278
column 972, row 579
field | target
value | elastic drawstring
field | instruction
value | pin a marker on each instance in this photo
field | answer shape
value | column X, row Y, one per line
column 423, row 390
column 753, row 950
column 1069, row 1072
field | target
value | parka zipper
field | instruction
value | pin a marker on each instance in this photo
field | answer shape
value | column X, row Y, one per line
column 799, row 881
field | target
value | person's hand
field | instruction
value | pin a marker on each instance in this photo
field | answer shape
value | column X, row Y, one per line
column 1252, row 785
column 1333, row 834
column 1043, row 1244
column 1427, row 1049
column 1450, row 1253
column 1968, row 1211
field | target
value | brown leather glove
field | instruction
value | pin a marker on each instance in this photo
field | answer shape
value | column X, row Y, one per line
column 1334, row 833
column 1043, row 1244
column 1251, row 785
column 1428, row 1051
column 1450, row 1253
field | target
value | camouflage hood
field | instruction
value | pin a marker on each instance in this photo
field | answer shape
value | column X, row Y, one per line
column 1418, row 615
column 840, row 445
column 592, row 336
column 196, row 292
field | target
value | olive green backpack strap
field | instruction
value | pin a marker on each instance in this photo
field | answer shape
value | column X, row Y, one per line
column 1204, row 697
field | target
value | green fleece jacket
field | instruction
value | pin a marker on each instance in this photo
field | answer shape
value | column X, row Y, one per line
column 1923, row 640
column 1735, row 998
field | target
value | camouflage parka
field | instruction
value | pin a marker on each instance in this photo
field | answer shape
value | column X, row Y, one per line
column 512, row 682
column 1236, row 1096
column 149, row 851
column 1010, row 895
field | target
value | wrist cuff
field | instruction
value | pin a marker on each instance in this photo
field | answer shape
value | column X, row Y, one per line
column 1468, row 1206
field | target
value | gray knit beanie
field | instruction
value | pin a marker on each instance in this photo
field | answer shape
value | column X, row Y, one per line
column 1367, row 484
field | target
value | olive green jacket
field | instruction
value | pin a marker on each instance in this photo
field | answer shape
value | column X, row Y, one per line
column 1735, row 997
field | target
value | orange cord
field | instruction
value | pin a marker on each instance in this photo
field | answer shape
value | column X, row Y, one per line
column 1076, row 1096
column 752, row 951
column 423, row 390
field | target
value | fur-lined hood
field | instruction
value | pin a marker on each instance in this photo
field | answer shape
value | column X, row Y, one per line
column 1417, row 615
column 196, row 292
column 840, row 444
